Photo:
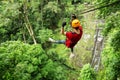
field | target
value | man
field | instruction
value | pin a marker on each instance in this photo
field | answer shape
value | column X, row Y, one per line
column 72, row 37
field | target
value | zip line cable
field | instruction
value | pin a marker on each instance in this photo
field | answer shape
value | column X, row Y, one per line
column 90, row 10
column 101, row 3
column 93, row 6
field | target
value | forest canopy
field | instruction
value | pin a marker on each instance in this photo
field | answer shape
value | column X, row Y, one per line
column 26, row 53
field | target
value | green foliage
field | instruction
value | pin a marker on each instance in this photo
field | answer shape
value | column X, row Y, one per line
column 111, row 30
column 111, row 62
column 51, row 13
column 87, row 73
column 47, row 33
column 27, row 62
column 9, row 14
column 30, row 62
column 101, row 74
column 106, row 11
column 112, row 22
column 111, row 55
column 17, row 16
column 115, row 40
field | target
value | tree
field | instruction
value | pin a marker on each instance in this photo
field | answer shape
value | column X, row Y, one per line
column 27, row 62
column 111, row 30
column 87, row 73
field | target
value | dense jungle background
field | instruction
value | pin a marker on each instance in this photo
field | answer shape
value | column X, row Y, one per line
column 27, row 54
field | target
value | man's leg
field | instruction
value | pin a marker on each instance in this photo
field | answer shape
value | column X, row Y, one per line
column 57, row 41
column 71, row 49
column 72, row 53
column 60, row 41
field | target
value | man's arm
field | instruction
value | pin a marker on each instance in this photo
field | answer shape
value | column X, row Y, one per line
column 62, row 28
column 62, row 31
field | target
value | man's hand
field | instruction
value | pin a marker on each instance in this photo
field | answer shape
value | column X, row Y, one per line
column 63, row 24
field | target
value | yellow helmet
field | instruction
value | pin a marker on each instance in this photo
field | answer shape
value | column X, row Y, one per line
column 75, row 23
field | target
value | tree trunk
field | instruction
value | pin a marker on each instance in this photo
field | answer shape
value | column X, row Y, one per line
column 27, row 23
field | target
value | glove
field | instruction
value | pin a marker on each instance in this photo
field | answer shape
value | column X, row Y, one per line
column 63, row 24
column 73, row 16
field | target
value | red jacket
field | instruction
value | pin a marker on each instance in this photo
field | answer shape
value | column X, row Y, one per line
column 72, row 38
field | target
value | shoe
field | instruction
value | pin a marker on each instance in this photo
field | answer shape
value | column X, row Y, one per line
column 51, row 40
column 72, row 55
